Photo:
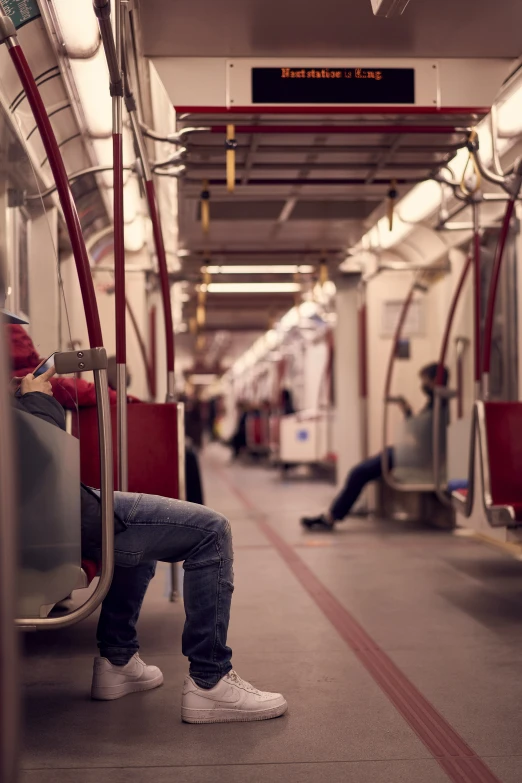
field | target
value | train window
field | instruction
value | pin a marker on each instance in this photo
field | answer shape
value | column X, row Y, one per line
column 18, row 260
column 504, row 356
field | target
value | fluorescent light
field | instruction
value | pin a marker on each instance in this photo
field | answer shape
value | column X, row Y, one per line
column 92, row 81
column 282, row 269
column 420, row 202
column 253, row 288
column 79, row 26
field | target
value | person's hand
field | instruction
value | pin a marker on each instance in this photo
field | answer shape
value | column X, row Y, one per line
column 404, row 405
column 15, row 384
column 40, row 384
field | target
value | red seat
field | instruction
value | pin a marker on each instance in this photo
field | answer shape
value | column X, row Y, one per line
column 153, row 448
column 503, row 426
column 91, row 569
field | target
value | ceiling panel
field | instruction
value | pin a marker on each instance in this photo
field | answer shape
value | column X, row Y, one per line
column 267, row 28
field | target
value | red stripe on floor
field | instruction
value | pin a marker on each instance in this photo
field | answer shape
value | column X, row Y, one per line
column 455, row 756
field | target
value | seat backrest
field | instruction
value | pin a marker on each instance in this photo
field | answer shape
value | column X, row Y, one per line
column 48, row 473
column 152, row 448
column 503, row 422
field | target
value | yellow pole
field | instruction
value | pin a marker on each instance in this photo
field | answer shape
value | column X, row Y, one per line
column 205, row 208
column 230, row 146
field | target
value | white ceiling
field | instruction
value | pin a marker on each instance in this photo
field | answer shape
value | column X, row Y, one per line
column 334, row 28
column 339, row 181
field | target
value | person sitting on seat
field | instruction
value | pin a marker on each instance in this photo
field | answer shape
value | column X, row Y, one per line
column 69, row 392
column 150, row 528
column 371, row 469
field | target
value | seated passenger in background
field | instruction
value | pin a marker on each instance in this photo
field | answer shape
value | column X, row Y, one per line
column 371, row 469
column 287, row 403
column 238, row 440
column 150, row 528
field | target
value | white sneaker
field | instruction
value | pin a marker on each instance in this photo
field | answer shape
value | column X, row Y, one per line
column 113, row 682
column 232, row 699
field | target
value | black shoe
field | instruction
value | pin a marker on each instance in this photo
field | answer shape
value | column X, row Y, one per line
column 319, row 523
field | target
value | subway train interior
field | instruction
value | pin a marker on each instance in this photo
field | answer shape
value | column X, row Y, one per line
column 260, row 282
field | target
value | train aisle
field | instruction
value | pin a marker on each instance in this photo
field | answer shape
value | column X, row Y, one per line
column 397, row 648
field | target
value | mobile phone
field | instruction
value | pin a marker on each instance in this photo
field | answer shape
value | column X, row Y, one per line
column 47, row 364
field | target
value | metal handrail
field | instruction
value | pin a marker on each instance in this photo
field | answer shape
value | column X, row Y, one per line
column 179, row 137
column 9, row 37
column 28, row 197
column 465, row 507
column 363, row 374
column 497, row 516
column 387, row 473
column 159, row 244
column 441, row 391
column 107, row 506
column 9, row 653
column 112, row 45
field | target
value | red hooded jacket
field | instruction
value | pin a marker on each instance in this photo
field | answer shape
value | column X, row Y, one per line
column 67, row 391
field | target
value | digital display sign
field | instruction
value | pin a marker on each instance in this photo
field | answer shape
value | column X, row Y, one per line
column 356, row 86
column 21, row 11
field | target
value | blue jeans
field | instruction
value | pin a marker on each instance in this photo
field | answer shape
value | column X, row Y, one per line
column 362, row 474
column 171, row 530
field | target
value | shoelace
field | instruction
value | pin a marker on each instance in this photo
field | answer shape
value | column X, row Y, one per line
column 237, row 680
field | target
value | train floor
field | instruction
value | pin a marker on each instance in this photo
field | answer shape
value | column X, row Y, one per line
column 397, row 647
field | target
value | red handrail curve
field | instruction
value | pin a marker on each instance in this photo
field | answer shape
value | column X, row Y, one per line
column 396, row 337
column 363, row 352
column 477, row 308
column 70, row 213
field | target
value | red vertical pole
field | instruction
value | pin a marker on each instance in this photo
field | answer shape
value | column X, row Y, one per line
column 153, row 354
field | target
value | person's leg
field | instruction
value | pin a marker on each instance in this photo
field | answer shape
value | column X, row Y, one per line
column 171, row 530
column 116, row 634
column 359, row 476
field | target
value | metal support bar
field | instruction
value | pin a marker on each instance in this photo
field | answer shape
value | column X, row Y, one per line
column 477, row 298
column 156, row 229
column 441, row 391
column 9, row 651
column 107, row 509
column 386, row 472
column 72, row 178
column 175, row 172
column 102, row 9
column 179, row 137
column 179, row 156
column 182, row 488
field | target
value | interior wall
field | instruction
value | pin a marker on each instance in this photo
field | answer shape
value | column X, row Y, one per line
column 44, row 291
column 316, row 358
column 347, row 432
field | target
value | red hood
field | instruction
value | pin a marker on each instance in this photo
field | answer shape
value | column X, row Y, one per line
column 24, row 355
